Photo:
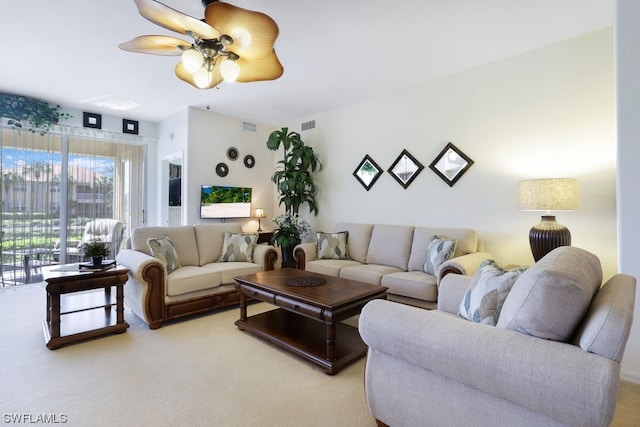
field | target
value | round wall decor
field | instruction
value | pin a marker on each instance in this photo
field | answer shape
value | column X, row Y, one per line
column 249, row 161
column 232, row 153
column 222, row 169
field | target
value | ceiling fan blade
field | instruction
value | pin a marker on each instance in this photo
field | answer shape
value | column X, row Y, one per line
column 174, row 20
column 268, row 68
column 156, row 45
column 213, row 79
column 253, row 33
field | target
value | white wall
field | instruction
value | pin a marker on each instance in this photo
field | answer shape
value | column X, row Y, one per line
column 210, row 135
column 628, row 105
column 546, row 113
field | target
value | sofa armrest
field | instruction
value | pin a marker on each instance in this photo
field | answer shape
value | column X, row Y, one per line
column 266, row 256
column 464, row 264
column 451, row 291
column 147, row 280
column 512, row 366
column 304, row 252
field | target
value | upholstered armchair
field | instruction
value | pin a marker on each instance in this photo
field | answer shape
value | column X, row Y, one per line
column 552, row 359
column 108, row 230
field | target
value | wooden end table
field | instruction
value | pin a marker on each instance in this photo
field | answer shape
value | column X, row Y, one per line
column 83, row 299
column 309, row 320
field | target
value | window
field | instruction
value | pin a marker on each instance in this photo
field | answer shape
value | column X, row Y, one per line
column 53, row 184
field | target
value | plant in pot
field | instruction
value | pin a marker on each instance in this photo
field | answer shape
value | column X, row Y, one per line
column 294, row 181
column 39, row 115
column 96, row 250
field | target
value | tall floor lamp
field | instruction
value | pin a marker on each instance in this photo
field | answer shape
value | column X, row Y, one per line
column 551, row 194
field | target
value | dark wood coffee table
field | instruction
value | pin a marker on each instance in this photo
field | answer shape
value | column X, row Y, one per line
column 308, row 322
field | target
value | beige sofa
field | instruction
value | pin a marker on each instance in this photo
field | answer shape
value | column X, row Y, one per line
column 394, row 256
column 201, row 283
column 553, row 358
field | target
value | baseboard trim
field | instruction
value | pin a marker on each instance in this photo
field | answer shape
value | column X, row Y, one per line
column 631, row 376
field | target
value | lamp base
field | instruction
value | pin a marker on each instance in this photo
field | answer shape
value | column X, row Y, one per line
column 547, row 235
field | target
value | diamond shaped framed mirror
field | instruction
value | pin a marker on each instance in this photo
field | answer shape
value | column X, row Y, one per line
column 367, row 172
column 405, row 169
column 451, row 164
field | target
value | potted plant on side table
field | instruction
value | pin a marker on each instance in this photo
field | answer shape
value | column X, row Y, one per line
column 96, row 250
column 294, row 181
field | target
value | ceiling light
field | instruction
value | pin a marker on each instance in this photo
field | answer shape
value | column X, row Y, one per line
column 231, row 43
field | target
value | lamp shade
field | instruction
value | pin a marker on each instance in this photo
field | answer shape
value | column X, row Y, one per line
column 552, row 194
column 259, row 213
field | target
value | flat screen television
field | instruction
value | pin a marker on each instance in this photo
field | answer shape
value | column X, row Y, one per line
column 225, row 202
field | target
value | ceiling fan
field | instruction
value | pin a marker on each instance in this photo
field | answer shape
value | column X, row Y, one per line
column 230, row 43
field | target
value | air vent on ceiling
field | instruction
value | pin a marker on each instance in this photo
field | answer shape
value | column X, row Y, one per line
column 311, row 124
column 248, row 126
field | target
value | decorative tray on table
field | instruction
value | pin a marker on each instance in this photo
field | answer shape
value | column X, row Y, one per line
column 106, row 264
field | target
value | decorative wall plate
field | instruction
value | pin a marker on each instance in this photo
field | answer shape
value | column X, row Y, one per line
column 367, row 172
column 249, row 161
column 450, row 164
column 233, row 154
column 222, row 169
column 91, row 120
column 405, row 169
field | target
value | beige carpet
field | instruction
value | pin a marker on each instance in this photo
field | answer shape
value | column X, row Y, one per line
column 200, row 372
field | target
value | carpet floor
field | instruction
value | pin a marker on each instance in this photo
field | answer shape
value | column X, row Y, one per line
column 201, row 371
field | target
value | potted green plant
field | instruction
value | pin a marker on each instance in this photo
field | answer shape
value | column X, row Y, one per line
column 40, row 115
column 294, row 175
column 96, row 250
column 294, row 181
column 289, row 231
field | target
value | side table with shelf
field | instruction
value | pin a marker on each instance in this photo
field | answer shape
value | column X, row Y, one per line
column 80, row 303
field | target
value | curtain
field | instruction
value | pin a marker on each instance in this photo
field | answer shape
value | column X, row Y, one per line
column 53, row 184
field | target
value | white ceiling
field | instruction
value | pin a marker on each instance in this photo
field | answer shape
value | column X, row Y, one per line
column 334, row 52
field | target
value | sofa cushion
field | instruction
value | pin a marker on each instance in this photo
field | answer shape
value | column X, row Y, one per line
column 238, row 247
column 466, row 243
column 487, row 292
column 210, row 238
column 412, row 284
column 359, row 237
column 191, row 279
column 229, row 270
column 440, row 249
column 332, row 245
column 183, row 238
column 163, row 249
column 368, row 273
column 390, row 245
column 550, row 299
column 330, row 267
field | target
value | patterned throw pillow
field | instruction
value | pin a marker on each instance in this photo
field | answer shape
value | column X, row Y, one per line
column 332, row 245
column 487, row 292
column 163, row 249
column 238, row 247
column 439, row 250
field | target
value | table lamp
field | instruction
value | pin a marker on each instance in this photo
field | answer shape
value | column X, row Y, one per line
column 259, row 213
column 551, row 194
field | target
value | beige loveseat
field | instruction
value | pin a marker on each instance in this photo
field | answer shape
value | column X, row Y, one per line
column 394, row 256
column 201, row 283
column 553, row 358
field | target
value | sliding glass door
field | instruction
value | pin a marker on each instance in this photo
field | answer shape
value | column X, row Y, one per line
column 53, row 185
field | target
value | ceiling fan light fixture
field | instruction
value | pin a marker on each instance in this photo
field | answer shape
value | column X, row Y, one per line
column 230, row 70
column 192, row 60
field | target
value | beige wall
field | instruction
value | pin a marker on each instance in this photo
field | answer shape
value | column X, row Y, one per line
column 546, row 113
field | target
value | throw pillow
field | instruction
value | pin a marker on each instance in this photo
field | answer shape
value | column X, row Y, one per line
column 332, row 245
column 238, row 247
column 550, row 299
column 487, row 291
column 164, row 249
column 439, row 250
